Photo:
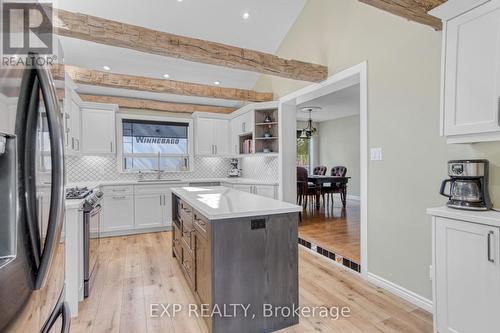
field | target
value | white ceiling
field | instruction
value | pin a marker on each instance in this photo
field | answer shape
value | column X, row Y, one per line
column 214, row 20
column 342, row 103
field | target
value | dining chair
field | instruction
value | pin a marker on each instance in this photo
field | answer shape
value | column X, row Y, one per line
column 339, row 187
column 304, row 189
column 320, row 170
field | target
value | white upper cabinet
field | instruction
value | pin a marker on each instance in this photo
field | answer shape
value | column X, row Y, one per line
column 471, row 70
column 98, row 129
column 72, row 118
column 212, row 135
column 221, row 136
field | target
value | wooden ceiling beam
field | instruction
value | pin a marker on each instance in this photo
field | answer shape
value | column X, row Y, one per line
column 147, row 104
column 413, row 10
column 113, row 33
column 141, row 83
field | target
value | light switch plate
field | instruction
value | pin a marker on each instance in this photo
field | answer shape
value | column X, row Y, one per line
column 376, row 154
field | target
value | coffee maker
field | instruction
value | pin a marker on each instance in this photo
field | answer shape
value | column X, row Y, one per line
column 468, row 185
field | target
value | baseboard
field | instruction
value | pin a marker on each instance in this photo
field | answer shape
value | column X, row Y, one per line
column 353, row 197
column 404, row 293
column 134, row 231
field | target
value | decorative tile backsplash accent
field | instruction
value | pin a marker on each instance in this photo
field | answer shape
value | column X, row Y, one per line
column 260, row 167
column 105, row 168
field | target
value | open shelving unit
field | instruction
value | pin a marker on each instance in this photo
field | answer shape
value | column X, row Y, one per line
column 266, row 131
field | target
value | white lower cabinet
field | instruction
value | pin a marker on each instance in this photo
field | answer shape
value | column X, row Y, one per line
column 118, row 213
column 269, row 191
column 467, row 276
column 266, row 191
column 244, row 188
column 127, row 208
column 149, row 211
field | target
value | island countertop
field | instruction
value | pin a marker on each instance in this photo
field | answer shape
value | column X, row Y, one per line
column 220, row 202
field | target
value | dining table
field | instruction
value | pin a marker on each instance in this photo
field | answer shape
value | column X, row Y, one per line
column 320, row 180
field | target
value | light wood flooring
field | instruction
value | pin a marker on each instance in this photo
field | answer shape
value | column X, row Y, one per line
column 136, row 271
column 334, row 228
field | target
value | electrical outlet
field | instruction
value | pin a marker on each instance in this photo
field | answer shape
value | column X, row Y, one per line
column 430, row 273
column 376, row 154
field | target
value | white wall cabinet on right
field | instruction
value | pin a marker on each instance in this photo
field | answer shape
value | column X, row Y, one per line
column 471, row 70
column 466, row 274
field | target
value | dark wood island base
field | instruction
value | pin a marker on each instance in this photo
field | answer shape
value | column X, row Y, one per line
column 243, row 271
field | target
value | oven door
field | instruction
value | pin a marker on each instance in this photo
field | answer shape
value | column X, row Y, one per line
column 91, row 244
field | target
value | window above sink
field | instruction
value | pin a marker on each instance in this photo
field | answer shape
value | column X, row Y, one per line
column 153, row 144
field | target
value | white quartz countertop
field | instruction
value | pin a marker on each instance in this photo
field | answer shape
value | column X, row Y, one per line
column 220, row 202
column 233, row 181
column 490, row 217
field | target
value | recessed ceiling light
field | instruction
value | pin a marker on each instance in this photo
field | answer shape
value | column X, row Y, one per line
column 216, row 83
column 179, row 0
column 246, row 15
column 106, row 68
column 166, row 76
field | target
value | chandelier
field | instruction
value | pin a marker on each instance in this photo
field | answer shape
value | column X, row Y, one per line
column 309, row 130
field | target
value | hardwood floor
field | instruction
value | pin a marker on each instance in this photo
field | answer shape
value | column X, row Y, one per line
column 333, row 228
column 136, row 271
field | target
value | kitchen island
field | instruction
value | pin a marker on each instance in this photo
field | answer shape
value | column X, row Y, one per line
column 239, row 254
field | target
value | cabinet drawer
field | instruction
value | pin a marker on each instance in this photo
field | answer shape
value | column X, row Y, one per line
column 176, row 243
column 188, row 265
column 185, row 213
column 200, row 223
column 118, row 190
column 188, row 235
column 156, row 188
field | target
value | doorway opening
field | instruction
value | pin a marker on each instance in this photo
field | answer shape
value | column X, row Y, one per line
column 324, row 165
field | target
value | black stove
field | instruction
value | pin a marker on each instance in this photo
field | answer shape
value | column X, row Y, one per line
column 77, row 192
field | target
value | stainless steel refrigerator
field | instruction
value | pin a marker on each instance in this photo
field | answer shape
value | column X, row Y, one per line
column 31, row 203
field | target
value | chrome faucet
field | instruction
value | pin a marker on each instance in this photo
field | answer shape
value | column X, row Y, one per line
column 159, row 170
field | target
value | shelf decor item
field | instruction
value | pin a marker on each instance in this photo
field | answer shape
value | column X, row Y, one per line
column 268, row 119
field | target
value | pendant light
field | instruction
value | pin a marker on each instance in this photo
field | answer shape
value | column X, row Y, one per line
column 308, row 131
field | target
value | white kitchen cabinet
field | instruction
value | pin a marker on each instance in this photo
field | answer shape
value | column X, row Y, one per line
column 242, row 124
column 466, row 273
column 117, row 213
column 72, row 119
column 153, row 205
column 266, row 191
column 149, row 211
column 471, row 70
column 244, row 188
column 98, row 129
column 212, row 136
column 269, row 191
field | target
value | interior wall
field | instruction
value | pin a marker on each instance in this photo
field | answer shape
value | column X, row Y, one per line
column 403, row 119
column 339, row 145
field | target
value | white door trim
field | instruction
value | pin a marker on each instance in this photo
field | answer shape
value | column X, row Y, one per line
column 341, row 80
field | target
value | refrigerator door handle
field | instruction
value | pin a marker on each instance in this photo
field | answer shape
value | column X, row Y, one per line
column 56, row 211
column 27, row 106
column 29, row 169
column 61, row 310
